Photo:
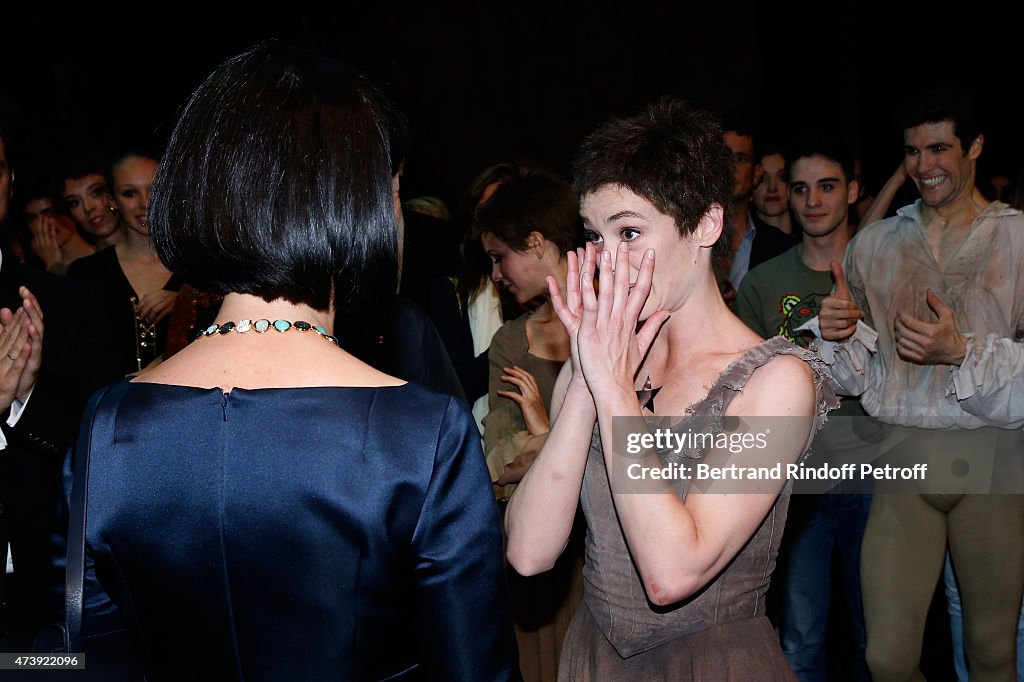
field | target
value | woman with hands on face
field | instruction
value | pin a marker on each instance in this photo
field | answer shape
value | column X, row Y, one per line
column 676, row 572
column 55, row 238
column 140, row 290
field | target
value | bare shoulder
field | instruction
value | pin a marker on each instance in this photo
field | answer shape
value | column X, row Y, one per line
column 783, row 367
column 783, row 385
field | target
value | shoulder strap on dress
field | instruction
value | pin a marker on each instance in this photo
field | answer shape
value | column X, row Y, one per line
column 738, row 373
column 736, row 376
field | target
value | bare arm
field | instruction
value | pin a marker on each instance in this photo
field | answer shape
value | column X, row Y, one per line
column 541, row 512
column 680, row 546
column 880, row 206
column 504, row 434
column 531, row 404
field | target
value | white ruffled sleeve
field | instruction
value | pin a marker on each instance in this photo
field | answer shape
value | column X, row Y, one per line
column 850, row 359
column 989, row 383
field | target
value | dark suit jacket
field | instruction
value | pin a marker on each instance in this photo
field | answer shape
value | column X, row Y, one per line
column 769, row 242
column 76, row 360
column 395, row 336
column 446, row 310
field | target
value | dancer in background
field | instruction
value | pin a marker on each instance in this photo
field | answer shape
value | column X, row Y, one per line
column 138, row 289
column 527, row 226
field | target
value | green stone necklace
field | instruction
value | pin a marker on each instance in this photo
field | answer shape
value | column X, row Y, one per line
column 263, row 326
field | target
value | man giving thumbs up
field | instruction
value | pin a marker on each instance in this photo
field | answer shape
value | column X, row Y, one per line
column 839, row 312
column 925, row 323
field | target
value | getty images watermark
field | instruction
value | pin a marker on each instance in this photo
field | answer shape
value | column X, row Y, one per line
column 668, row 441
column 849, row 454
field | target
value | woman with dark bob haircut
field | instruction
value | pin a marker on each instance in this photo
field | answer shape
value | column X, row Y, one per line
column 262, row 505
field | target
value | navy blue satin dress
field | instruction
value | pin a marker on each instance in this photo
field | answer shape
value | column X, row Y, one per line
column 301, row 534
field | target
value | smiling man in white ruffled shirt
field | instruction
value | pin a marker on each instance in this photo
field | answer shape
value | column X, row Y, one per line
column 925, row 325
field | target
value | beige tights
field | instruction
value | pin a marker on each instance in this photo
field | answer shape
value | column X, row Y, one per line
column 901, row 560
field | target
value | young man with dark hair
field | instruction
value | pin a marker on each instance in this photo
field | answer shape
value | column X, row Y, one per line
column 779, row 297
column 924, row 324
column 820, row 191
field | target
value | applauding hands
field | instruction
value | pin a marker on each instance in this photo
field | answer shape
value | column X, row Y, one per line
column 21, row 343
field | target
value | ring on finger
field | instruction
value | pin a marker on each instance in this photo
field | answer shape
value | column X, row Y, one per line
column 12, row 358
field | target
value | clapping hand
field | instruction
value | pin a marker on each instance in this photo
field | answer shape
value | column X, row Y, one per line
column 21, row 343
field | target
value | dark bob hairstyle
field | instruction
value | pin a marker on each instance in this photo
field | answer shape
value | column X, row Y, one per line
column 276, row 181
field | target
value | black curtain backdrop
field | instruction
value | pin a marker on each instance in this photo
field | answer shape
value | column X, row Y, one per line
column 500, row 81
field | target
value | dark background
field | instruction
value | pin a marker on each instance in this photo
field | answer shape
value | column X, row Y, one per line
column 505, row 80
column 501, row 81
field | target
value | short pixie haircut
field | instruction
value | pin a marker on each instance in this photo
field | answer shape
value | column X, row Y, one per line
column 77, row 163
column 534, row 201
column 276, row 181
column 671, row 154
